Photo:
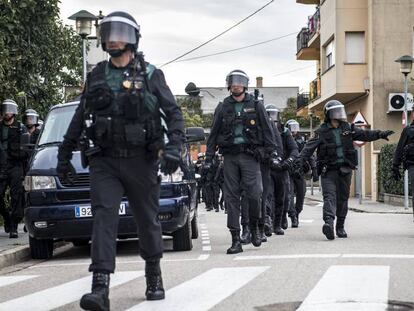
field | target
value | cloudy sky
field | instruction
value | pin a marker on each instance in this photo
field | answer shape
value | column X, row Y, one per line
column 170, row 28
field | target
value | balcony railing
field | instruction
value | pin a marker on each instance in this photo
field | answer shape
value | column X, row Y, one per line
column 315, row 89
column 302, row 39
column 302, row 100
column 314, row 23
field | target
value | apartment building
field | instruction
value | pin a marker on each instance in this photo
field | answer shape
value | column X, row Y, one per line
column 355, row 44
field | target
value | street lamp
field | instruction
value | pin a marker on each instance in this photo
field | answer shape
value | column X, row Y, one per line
column 84, row 21
column 406, row 65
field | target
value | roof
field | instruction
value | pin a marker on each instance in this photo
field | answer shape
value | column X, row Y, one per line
column 211, row 96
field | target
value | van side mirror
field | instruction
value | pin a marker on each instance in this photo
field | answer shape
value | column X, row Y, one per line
column 194, row 134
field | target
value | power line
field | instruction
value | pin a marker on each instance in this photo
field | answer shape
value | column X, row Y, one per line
column 298, row 69
column 219, row 35
column 237, row 49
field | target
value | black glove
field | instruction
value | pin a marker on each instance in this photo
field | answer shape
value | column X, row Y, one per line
column 396, row 173
column 385, row 134
column 315, row 176
column 170, row 159
column 287, row 164
column 275, row 161
column 66, row 171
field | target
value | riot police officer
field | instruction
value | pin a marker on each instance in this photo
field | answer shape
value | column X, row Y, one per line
column 12, row 160
column 241, row 131
column 404, row 153
column 297, row 181
column 198, row 170
column 336, row 158
column 120, row 115
column 31, row 121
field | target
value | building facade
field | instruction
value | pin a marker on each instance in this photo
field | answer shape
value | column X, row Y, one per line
column 355, row 44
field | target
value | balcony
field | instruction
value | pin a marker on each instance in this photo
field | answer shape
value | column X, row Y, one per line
column 304, row 52
column 314, row 25
column 315, row 89
column 308, row 1
column 302, row 100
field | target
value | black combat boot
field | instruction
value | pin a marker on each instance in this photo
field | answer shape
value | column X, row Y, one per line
column 6, row 224
column 256, row 237
column 284, row 223
column 268, row 230
column 13, row 231
column 277, row 228
column 98, row 300
column 236, row 246
column 295, row 222
column 340, row 230
column 328, row 229
column 155, row 289
column 245, row 237
column 262, row 234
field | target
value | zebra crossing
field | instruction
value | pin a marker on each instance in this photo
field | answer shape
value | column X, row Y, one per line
column 341, row 288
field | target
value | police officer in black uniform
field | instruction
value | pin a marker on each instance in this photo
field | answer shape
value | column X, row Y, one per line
column 336, row 158
column 241, row 130
column 404, row 153
column 31, row 121
column 12, row 160
column 198, row 170
column 120, row 114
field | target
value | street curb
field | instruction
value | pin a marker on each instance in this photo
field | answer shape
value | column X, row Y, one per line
column 14, row 256
column 20, row 254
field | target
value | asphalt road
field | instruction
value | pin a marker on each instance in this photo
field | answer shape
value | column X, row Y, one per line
column 371, row 270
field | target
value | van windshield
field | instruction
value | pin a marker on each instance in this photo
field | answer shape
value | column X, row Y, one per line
column 56, row 124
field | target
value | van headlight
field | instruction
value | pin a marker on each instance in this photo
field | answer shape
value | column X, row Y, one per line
column 39, row 183
column 177, row 176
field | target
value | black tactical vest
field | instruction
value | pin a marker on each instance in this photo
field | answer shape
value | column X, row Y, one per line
column 327, row 150
column 248, row 118
column 300, row 141
column 126, row 120
column 10, row 140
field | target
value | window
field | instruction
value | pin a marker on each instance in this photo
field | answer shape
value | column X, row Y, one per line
column 355, row 47
column 330, row 54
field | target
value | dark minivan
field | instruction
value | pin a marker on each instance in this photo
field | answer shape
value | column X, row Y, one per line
column 57, row 210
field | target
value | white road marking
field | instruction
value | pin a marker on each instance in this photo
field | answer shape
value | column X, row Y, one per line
column 203, row 257
column 344, row 288
column 297, row 256
column 392, row 256
column 205, row 290
column 207, row 248
column 207, row 242
column 306, row 221
column 60, row 295
column 204, row 232
column 8, row 280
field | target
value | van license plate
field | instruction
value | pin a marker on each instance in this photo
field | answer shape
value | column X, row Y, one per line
column 86, row 211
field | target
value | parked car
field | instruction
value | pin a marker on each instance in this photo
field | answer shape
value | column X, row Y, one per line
column 57, row 210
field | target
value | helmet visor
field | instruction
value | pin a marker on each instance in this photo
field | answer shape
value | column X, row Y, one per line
column 337, row 113
column 294, row 127
column 274, row 115
column 30, row 120
column 238, row 80
column 118, row 32
column 8, row 107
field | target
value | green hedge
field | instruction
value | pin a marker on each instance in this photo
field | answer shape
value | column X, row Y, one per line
column 388, row 184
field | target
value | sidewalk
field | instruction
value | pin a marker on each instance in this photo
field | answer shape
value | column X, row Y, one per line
column 367, row 206
column 13, row 251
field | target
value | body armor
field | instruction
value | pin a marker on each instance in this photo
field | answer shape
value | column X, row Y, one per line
column 327, row 150
column 10, row 140
column 124, row 120
column 247, row 119
column 300, row 141
column 408, row 155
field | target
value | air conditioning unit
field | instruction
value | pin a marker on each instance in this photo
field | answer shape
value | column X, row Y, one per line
column 396, row 102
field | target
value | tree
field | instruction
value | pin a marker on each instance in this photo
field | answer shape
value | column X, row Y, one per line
column 290, row 113
column 38, row 54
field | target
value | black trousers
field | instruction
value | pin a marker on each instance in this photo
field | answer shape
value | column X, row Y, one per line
column 281, row 188
column 335, row 191
column 15, row 182
column 411, row 178
column 111, row 179
column 267, row 189
column 242, row 172
column 298, row 191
